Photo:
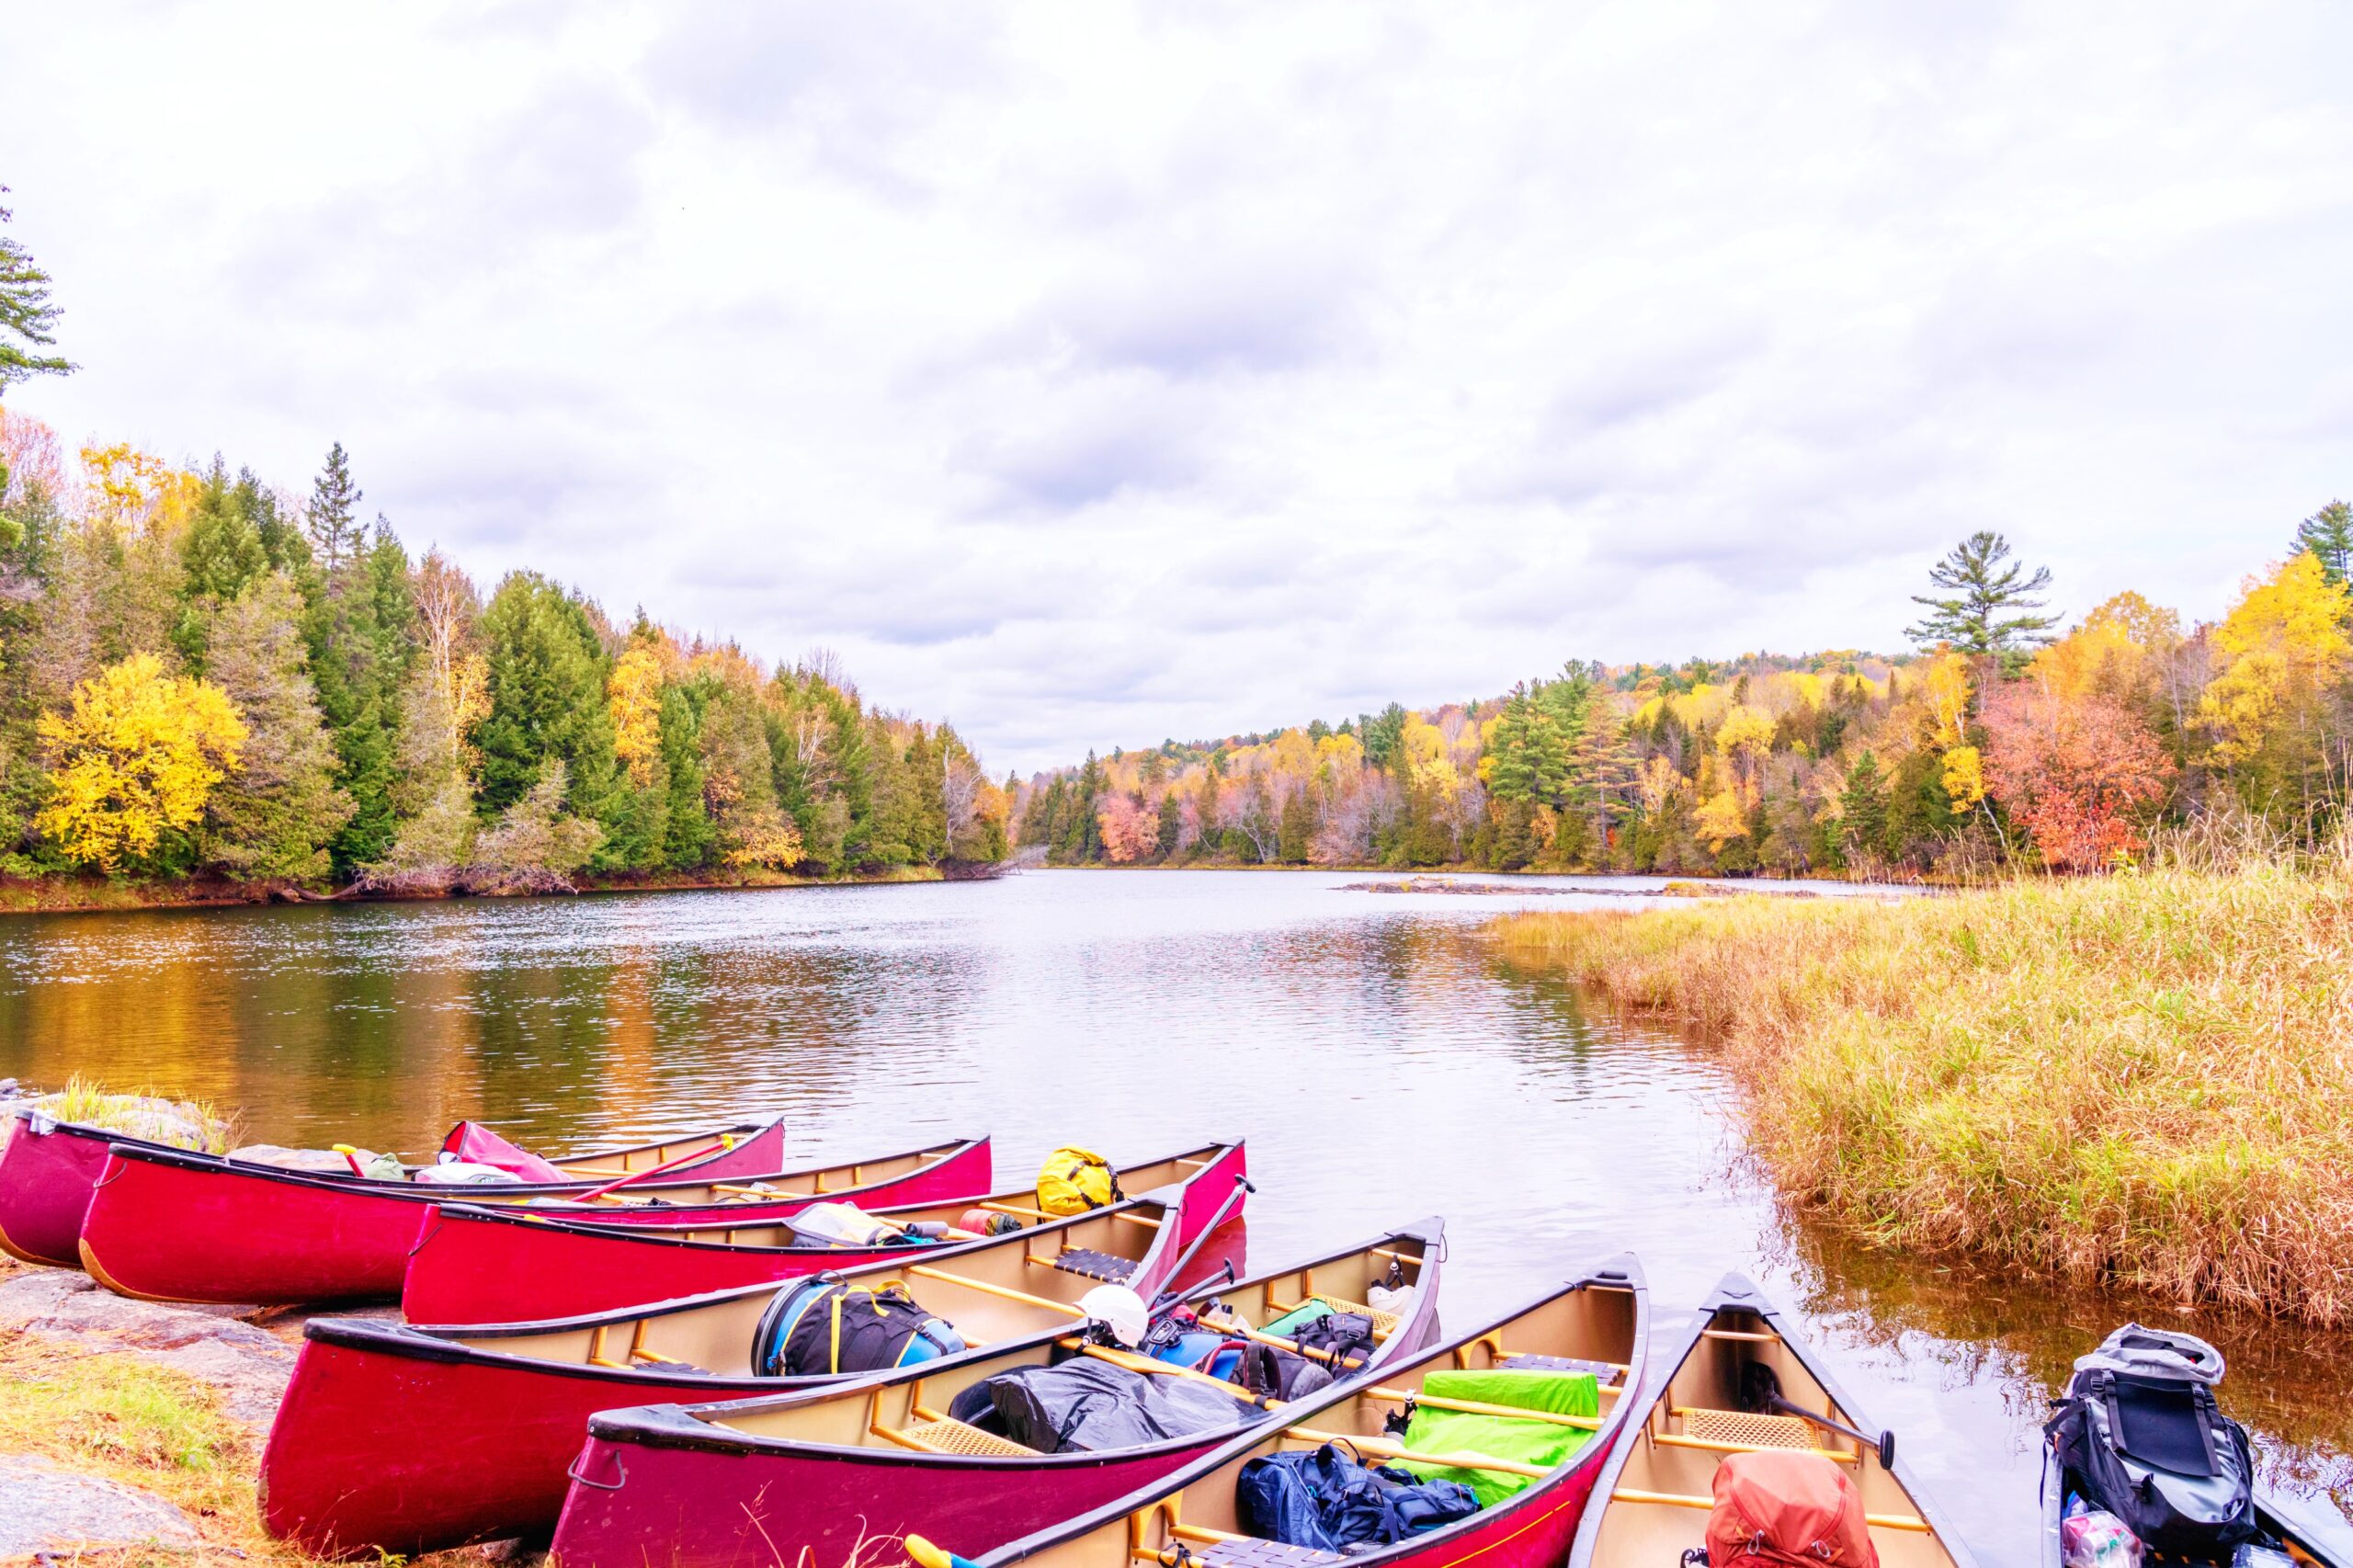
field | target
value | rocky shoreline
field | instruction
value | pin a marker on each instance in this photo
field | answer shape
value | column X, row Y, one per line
column 57, row 1324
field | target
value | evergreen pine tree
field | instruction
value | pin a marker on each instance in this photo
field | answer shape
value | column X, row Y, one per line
column 1862, row 811
column 26, row 313
column 333, row 518
column 2328, row 534
column 547, row 700
column 1987, row 600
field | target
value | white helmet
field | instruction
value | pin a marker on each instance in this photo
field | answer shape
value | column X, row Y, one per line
column 1120, row 1309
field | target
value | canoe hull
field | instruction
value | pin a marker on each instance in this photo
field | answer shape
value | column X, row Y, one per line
column 180, row 1228
column 46, row 1179
column 635, row 1504
column 469, row 1267
column 364, row 1452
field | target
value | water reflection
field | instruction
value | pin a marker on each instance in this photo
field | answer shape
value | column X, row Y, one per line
column 1383, row 1065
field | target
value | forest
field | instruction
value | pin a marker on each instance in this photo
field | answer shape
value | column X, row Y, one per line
column 205, row 678
column 1997, row 740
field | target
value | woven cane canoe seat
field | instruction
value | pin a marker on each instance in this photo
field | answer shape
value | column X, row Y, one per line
column 1264, row 1555
column 960, row 1438
column 1750, row 1431
column 1089, row 1264
column 1383, row 1324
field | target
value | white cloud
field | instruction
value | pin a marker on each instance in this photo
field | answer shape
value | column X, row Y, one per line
column 1090, row 373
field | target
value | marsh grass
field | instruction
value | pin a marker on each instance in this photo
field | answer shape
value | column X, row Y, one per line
column 2144, row 1078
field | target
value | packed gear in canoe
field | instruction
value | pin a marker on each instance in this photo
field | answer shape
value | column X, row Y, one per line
column 1742, row 1384
column 176, row 1226
column 1396, row 1495
column 363, row 1455
column 485, row 1265
column 982, row 1450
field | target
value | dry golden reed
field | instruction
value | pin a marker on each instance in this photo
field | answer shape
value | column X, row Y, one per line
column 2145, row 1078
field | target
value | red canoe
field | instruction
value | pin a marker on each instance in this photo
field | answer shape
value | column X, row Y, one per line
column 754, row 1483
column 410, row 1439
column 169, row 1225
column 49, row 1170
column 1190, row 1516
column 489, row 1265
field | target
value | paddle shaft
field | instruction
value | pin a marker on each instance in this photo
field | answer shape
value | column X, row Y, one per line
column 596, row 1192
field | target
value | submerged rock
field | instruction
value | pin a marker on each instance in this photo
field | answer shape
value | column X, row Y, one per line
column 249, row 1366
column 46, row 1508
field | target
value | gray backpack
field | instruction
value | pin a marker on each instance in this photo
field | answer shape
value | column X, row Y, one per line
column 2141, row 1435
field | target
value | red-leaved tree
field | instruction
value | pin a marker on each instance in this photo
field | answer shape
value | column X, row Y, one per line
column 1130, row 831
column 2076, row 773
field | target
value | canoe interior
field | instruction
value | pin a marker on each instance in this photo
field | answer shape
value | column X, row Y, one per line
column 1591, row 1321
column 881, row 1415
column 1021, row 1203
column 817, row 1181
column 1696, row 1420
column 1025, row 1285
column 601, row 1165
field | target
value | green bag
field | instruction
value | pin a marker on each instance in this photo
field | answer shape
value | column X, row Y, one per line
column 1540, row 1443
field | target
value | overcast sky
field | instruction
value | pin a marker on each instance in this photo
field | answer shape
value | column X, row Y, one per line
column 1089, row 373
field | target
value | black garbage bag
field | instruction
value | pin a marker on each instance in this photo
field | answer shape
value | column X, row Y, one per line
column 1083, row 1405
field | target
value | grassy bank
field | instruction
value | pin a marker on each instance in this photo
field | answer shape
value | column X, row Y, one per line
column 2143, row 1078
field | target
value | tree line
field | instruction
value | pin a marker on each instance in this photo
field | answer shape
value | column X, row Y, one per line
column 203, row 676
column 1996, row 739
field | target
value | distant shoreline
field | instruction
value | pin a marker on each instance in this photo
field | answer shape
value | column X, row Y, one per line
column 99, row 896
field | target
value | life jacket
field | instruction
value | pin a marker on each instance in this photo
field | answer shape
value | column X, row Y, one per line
column 1779, row 1509
column 824, row 1325
column 2140, row 1435
column 1076, row 1180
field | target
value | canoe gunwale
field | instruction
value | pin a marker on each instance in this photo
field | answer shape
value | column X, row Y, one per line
column 222, row 1165
column 1621, row 1272
column 667, row 1234
column 674, row 1425
column 1735, row 1293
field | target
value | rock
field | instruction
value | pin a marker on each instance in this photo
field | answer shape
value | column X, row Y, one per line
column 44, row 1508
column 248, row 1366
column 9, row 1089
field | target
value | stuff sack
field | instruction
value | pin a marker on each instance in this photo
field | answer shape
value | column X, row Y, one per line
column 473, row 1141
column 1785, row 1509
column 824, row 1325
column 1085, row 1405
column 846, row 1225
column 1328, row 1501
column 2141, row 1435
column 1076, row 1180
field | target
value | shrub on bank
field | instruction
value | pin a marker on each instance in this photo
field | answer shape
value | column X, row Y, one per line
column 2142, row 1078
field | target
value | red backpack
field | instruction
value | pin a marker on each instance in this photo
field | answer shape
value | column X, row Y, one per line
column 1783, row 1509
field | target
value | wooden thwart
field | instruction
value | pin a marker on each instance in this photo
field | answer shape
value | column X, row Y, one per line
column 1678, row 1500
column 1472, row 1407
column 1389, row 1451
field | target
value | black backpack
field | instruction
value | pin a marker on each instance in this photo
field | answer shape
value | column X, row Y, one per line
column 820, row 1326
column 1346, row 1337
column 1330, row 1500
column 2161, row 1456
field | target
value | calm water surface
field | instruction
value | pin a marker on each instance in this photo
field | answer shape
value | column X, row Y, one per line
column 1383, row 1063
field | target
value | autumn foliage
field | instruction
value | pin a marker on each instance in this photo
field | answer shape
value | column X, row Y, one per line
column 135, row 756
column 2079, row 776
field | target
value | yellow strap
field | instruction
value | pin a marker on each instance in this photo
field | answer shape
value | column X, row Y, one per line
column 834, row 1356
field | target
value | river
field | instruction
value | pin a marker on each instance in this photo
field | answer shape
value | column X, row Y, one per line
column 1384, row 1062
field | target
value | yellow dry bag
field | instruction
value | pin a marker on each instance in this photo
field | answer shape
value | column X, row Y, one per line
column 1076, row 1180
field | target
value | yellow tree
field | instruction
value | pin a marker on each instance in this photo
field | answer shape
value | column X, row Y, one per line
column 2283, row 654
column 634, row 693
column 135, row 756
